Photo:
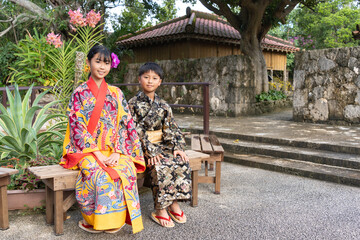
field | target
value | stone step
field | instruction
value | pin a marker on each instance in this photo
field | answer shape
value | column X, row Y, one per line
column 287, row 142
column 300, row 168
column 346, row 160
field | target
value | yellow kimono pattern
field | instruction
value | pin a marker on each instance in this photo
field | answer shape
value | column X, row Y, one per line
column 105, row 203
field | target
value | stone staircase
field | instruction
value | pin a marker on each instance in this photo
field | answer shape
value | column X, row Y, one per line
column 323, row 161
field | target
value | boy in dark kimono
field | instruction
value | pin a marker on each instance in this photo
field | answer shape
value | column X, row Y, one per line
column 168, row 164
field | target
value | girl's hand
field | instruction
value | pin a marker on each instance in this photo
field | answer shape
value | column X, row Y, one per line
column 155, row 160
column 100, row 156
column 112, row 160
column 182, row 154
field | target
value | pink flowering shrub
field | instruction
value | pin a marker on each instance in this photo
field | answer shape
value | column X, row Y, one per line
column 54, row 39
column 78, row 20
column 93, row 18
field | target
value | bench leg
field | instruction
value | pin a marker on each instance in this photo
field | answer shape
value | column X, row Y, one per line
column 4, row 214
column 59, row 213
column 49, row 205
column 206, row 168
column 195, row 183
column 217, row 177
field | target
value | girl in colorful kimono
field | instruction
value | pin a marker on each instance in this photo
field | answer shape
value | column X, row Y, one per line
column 102, row 142
column 163, row 146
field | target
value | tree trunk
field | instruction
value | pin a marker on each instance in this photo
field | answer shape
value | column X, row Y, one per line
column 254, row 51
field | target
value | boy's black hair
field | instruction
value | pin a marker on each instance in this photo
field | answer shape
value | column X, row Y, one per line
column 151, row 66
column 104, row 53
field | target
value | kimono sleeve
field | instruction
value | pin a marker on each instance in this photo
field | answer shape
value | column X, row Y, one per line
column 129, row 142
column 81, row 139
column 172, row 132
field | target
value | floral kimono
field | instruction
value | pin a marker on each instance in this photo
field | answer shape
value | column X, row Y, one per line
column 170, row 180
column 99, row 120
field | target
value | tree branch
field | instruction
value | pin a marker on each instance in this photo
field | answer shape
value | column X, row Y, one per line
column 20, row 18
column 32, row 7
column 225, row 11
column 211, row 7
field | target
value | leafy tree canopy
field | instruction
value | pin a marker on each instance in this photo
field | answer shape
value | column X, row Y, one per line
column 328, row 25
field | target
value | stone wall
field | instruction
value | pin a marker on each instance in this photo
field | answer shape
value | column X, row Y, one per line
column 232, row 91
column 327, row 85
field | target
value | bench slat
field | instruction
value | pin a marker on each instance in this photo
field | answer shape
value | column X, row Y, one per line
column 205, row 144
column 51, row 171
column 7, row 171
column 216, row 144
column 195, row 142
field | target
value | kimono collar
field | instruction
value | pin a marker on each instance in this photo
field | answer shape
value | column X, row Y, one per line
column 94, row 88
column 142, row 96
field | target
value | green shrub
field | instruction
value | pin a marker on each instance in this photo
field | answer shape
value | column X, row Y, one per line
column 32, row 64
column 272, row 95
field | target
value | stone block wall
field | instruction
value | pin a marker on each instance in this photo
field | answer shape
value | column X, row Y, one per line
column 232, row 90
column 327, row 85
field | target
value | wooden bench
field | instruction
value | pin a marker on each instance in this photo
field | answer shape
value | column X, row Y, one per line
column 209, row 144
column 60, row 185
column 5, row 174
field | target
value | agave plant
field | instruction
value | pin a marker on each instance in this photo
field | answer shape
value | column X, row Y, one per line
column 23, row 135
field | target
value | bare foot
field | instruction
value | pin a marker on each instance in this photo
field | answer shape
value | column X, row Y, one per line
column 163, row 213
column 174, row 207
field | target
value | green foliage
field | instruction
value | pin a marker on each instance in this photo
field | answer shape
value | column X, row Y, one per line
column 32, row 65
column 22, row 136
column 64, row 61
column 272, row 95
column 7, row 59
column 24, row 180
column 329, row 25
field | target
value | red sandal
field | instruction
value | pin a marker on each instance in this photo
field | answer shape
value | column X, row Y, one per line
column 156, row 219
column 88, row 228
column 174, row 216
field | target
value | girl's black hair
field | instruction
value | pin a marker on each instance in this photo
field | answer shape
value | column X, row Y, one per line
column 151, row 66
column 104, row 53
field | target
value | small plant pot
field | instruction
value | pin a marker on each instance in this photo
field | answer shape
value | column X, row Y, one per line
column 21, row 199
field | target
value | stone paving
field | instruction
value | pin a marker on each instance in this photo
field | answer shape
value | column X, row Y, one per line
column 253, row 204
column 277, row 125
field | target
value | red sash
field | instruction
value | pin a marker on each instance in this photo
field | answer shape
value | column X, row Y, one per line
column 73, row 159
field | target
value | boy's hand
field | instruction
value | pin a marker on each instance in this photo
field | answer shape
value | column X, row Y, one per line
column 112, row 160
column 182, row 154
column 155, row 160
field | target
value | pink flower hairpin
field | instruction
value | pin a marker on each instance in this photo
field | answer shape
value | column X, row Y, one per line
column 115, row 60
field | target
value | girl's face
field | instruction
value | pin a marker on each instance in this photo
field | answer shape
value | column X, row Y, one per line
column 99, row 67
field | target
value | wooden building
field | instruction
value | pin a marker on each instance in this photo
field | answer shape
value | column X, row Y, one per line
column 198, row 35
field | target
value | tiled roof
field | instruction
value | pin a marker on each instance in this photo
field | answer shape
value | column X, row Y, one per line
column 198, row 25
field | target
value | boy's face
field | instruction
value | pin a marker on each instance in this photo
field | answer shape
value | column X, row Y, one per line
column 149, row 82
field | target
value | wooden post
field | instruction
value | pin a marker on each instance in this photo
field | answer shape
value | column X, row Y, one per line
column 4, row 98
column 285, row 79
column 59, row 213
column 195, row 180
column 49, row 205
column 4, row 215
column 206, row 108
column 79, row 65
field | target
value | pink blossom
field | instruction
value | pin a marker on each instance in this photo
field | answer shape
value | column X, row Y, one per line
column 72, row 28
column 76, row 18
column 92, row 18
column 54, row 39
column 115, row 60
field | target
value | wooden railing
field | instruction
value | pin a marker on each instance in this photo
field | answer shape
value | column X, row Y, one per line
column 205, row 106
